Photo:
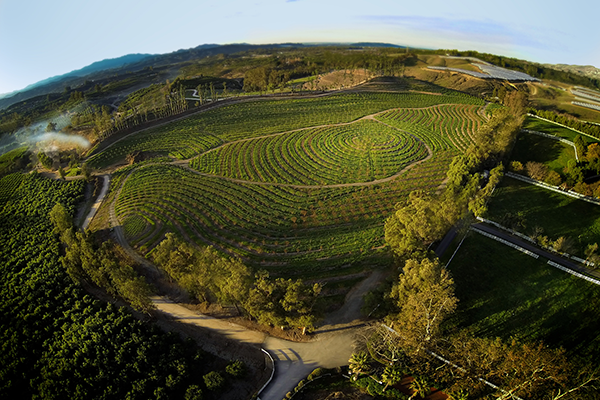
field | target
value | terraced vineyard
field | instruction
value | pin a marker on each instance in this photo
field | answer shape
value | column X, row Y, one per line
column 301, row 186
column 249, row 119
column 357, row 152
column 308, row 232
column 442, row 127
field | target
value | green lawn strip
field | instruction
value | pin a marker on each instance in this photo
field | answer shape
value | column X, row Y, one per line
column 506, row 293
column 557, row 214
column 536, row 124
column 531, row 147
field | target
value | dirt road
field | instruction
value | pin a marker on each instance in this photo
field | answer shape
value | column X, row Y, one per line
column 97, row 203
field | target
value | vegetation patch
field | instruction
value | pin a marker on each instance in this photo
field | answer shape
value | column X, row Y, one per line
column 358, row 152
column 527, row 208
column 508, row 294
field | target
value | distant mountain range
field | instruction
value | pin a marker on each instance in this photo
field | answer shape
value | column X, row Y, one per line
column 90, row 69
column 136, row 62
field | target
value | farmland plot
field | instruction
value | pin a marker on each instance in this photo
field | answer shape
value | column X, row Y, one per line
column 190, row 137
column 300, row 187
column 359, row 152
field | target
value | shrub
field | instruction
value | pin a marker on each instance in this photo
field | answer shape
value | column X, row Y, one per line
column 317, row 372
column 516, row 166
column 553, row 178
column 193, row 392
column 236, row 368
column 213, row 381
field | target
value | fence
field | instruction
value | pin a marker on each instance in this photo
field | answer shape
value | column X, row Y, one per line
column 556, row 189
column 559, row 124
column 532, row 240
column 272, row 373
column 575, row 273
column 553, row 137
column 514, row 246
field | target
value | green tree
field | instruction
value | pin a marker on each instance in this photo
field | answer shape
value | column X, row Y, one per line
column 391, row 376
column 359, row 364
column 420, row 386
column 193, row 392
column 424, row 294
column 416, row 223
column 580, row 147
column 214, row 381
column 51, row 127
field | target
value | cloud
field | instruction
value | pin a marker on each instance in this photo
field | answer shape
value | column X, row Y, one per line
column 471, row 30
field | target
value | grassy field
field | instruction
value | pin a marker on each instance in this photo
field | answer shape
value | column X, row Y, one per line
column 557, row 214
column 536, row 124
column 554, row 154
column 506, row 293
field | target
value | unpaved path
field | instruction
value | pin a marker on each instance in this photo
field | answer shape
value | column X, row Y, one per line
column 97, row 203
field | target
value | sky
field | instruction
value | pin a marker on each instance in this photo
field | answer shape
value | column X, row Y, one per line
column 42, row 38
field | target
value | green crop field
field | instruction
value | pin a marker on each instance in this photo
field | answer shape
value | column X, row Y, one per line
column 557, row 214
column 441, row 127
column 506, row 293
column 309, row 232
column 192, row 136
column 300, row 187
column 357, row 152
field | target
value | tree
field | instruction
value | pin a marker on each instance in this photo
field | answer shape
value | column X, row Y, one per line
column 391, row 376
column 562, row 245
column 536, row 170
column 60, row 219
column 61, row 172
column 424, row 294
column 580, row 147
column 193, row 392
column 420, row 386
column 359, row 364
column 591, row 253
column 213, row 381
column 416, row 223
column 86, row 171
column 51, row 127
column 593, row 151
column 553, row 178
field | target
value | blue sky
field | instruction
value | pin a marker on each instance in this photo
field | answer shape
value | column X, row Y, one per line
column 39, row 39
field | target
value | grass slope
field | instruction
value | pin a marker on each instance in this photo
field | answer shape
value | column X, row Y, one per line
column 506, row 293
column 530, row 147
column 557, row 214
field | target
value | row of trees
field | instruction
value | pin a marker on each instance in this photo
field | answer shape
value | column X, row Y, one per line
column 568, row 120
column 210, row 277
column 84, row 261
